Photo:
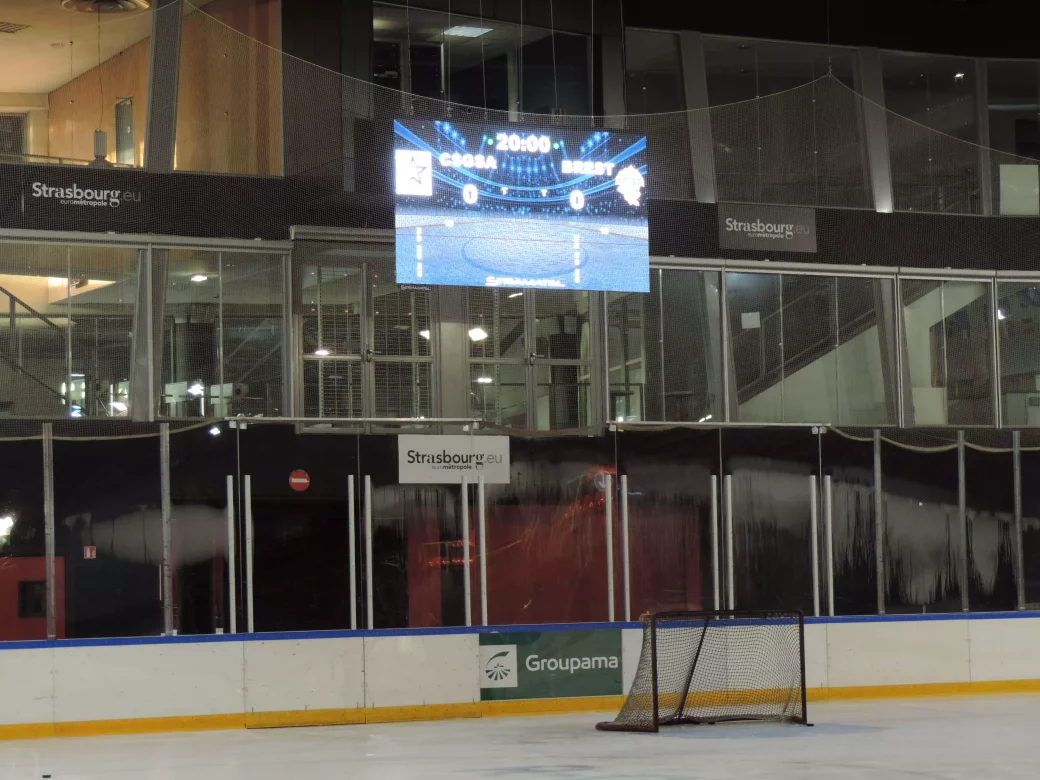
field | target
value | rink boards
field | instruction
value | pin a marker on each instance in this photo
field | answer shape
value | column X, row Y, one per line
column 114, row 686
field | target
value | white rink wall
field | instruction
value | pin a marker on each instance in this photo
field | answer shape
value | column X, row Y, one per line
column 155, row 684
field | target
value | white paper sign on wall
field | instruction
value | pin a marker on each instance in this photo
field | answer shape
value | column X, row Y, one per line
column 447, row 459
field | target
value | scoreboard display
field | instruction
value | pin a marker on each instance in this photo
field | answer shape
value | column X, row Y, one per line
column 501, row 206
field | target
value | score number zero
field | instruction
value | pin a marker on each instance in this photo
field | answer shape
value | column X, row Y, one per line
column 511, row 142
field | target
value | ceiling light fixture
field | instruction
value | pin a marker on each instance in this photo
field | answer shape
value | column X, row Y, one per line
column 485, row 380
column 321, row 352
column 106, row 6
column 477, row 334
column 199, row 278
column 214, row 431
column 515, row 295
column 196, row 389
column 425, row 334
column 6, row 524
column 463, row 31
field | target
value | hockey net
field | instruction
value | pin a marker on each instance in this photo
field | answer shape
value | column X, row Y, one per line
column 710, row 667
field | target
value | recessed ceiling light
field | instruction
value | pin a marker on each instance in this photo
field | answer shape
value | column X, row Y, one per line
column 477, row 334
column 462, row 31
column 425, row 334
column 321, row 352
column 199, row 278
column 515, row 295
column 484, row 380
column 214, row 431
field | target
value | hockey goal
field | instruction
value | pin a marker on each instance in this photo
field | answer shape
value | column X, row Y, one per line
column 710, row 667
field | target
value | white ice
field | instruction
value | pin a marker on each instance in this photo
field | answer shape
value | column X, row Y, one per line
column 924, row 739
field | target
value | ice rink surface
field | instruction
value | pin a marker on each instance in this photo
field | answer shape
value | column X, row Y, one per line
column 947, row 738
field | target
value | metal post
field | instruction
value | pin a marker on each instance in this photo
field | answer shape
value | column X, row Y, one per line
column 48, row 526
column 715, row 538
column 352, row 541
column 814, row 533
column 879, row 525
column 998, row 400
column 166, row 566
column 962, row 513
column 624, row 548
column 609, row 516
column 727, row 509
column 232, row 579
column 728, row 407
column 466, row 596
column 828, row 540
column 369, row 617
column 482, row 521
column 1020, row 571
column 248, row 500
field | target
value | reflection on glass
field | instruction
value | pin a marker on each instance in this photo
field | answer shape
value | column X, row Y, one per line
column 199, row 464
column 923, row 544
column 300, row 538
column 223, row 322
column 498, row 393
column 22, row 550
column 1013, row 92
column 116, row 512
column 664, row 347
column 653, row 77
column 932, row 171
column 990, row 505
column 755, row 329
column 484, row 62
column 546, row 537
column 1030, row 464
column 669, row 517
column 771, row 529
column 332, row 388
column 947, row 329
column 403, row 389
column 850, row 464
column 561, row 397
column 1018, row 331
column 331, row 308
column 865, row 391
column 817, row 159
column 495, row 323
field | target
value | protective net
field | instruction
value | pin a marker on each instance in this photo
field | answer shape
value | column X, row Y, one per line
column 712, row 667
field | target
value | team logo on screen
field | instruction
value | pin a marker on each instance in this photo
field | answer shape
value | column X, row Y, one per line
column 414, row 169
column 630, row 183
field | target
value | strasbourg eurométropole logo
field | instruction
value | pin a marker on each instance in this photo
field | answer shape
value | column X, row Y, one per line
column 496, row 668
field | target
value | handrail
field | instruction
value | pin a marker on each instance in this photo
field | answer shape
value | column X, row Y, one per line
column 29, row 308
column 384, row 420
column 33, row 377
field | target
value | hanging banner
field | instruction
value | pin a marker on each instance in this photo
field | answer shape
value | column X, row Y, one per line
column 447, row 459
column 768, row 228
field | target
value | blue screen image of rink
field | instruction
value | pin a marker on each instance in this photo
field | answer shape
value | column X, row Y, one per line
column 472, row 209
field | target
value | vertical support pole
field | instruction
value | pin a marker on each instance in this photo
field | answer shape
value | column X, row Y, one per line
column 482, row 521
column 352, row 541
column 715, row 539
column 879, row 525
column 730, row 409
column 624, row 548
column 289, row 353
column 814, row 533
column 962, row 516
column 48, row 527
column 609, row 517
column 369, row 617
column 875, row 122
column 248, row 501
column 167, row 529
column 695, row 84
column 801, row 660
column 1020, row 568
column 163, row 70
column 466, row 596
column 998, row 400
column 982, row 125
column 828, row 540
column 731, row 600
column 231, row 564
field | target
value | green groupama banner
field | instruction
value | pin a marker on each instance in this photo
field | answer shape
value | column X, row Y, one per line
column 550, row 664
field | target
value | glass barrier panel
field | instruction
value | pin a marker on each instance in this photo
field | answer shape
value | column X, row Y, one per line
column 990, row 503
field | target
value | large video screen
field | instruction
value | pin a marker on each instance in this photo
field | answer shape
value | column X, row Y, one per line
column 501, row 206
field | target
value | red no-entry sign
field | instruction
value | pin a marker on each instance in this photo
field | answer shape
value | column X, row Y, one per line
column 299, row 480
